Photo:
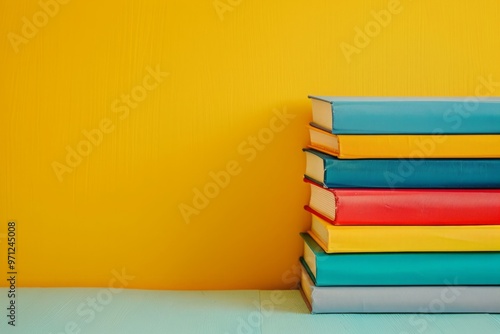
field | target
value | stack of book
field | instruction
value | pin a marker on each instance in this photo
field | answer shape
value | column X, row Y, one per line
column 405, row 206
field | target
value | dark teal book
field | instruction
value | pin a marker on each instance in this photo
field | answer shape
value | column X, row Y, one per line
column 401, row 173
column 380, row 269
column 406, row 115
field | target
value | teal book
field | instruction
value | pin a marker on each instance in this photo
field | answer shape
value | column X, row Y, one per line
column 406, row 115
column 332, row 172
column 398, row 269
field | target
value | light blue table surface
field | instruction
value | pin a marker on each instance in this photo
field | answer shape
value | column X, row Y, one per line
column 95, row 310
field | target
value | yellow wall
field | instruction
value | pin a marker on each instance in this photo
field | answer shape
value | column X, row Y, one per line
column 229, row 73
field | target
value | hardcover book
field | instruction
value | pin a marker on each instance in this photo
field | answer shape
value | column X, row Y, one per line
column 374, row 239
column 364, row 146
column 406, row 115
column 405, row 206
column 399, row 299
column 332, row 172
column 440, row 268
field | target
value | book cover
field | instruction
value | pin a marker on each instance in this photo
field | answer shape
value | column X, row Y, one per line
column 373, row 239
column 399, row 299
column 406, row 115
column 397, row 146
column 439, row 268
column 360, row 206
column 332, row 172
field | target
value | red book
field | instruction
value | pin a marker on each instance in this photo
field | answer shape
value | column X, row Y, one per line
column 405, row 206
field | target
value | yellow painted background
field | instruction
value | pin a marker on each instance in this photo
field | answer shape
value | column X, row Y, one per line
column 119, row 208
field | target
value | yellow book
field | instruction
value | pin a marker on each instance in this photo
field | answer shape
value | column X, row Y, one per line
column 387, row 239
column 405, row 146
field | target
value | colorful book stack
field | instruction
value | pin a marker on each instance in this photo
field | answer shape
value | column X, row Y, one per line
column 405, row 206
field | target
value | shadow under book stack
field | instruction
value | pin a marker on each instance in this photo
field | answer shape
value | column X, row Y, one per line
column 405, row 206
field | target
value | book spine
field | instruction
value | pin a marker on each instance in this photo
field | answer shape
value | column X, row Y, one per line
column 375, row 239
column 417, row 207
column 418, row 146
column 405, row 117
column 412, row 173
column 437, row 269
column 410, row 299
